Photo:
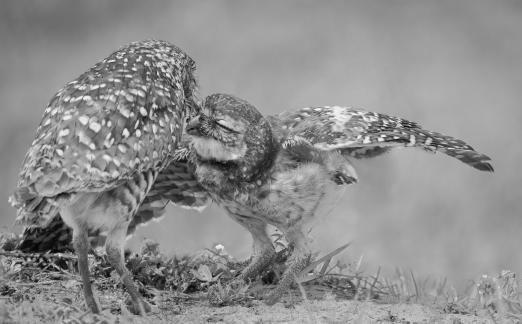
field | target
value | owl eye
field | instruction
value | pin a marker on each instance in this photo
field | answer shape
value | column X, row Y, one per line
column 221, row 123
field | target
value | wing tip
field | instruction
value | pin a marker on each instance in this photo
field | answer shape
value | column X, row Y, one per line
column 484, row 166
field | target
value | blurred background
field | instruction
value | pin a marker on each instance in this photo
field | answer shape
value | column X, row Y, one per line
column 453, row 66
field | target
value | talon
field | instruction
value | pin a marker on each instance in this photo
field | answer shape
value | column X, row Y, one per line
column 341, row 179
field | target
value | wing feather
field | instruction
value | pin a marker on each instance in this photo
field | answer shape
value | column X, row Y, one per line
column 362, row 134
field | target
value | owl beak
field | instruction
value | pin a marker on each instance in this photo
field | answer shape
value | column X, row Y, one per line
column 194, row 126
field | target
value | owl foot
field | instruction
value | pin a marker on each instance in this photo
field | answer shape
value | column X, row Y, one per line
column 257, row 265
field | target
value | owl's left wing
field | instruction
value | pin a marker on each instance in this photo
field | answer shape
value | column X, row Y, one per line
column 363, row 134
column 176, row 184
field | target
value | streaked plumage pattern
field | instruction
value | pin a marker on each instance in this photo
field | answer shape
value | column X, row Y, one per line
column 102, row 141
column 278, row 170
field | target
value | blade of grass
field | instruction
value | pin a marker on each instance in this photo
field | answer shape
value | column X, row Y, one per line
column 303, row 277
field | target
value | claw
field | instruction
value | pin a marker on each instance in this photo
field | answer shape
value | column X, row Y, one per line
column 341, row 178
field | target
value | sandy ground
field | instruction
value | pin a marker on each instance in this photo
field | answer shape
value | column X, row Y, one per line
column 325, row 311
column 61, row 302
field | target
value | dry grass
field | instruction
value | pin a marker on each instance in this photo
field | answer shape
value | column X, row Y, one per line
column 45, row 288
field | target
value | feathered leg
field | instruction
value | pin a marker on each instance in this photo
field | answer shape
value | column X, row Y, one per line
column 263, row 251
column 81, row 246
column 114, row 247
column 296, row 262
column 73, row 216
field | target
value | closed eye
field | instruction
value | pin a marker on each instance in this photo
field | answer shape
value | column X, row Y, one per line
column 221, row 124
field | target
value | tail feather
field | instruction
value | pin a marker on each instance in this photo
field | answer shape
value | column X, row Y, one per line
column 55, row 237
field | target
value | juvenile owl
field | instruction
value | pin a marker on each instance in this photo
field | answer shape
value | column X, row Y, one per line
column 105, row 139
column 277, row 170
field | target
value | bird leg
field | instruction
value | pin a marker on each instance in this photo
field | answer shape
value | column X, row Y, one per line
column 297, row 261
column 81, row 246
column 263, row 251
column 114, row 248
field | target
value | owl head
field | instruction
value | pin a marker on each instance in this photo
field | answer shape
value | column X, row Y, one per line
column 230, row 131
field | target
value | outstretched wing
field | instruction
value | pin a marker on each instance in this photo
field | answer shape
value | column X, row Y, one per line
column 362, row 134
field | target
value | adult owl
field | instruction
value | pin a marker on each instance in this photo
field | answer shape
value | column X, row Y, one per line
column 278, row 170
column 104, row 141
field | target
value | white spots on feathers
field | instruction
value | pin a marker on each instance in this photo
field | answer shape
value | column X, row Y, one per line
column 340, row 117
column 97, row 86
column 125, row 133
column 125, row 111
column 54, row 111
column 83, row 138
column 83, row 119
column 412, row 139
column 109, row 140
column 137, row 92
column 129, row 97
column 63, row 132
column 95, row 126
column 107, row 158
column 90, row 156
column 116, row 162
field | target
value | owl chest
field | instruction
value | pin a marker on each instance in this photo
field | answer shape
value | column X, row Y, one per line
column 286, row 196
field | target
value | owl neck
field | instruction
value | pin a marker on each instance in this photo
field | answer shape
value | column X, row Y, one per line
column 232, row 177
column 258, row 160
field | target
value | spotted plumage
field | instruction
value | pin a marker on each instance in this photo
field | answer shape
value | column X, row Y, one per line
column 281, row 169
column 102, row 143
column 359, row 134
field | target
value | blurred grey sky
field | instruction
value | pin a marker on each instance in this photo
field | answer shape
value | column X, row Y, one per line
column 453, row 66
